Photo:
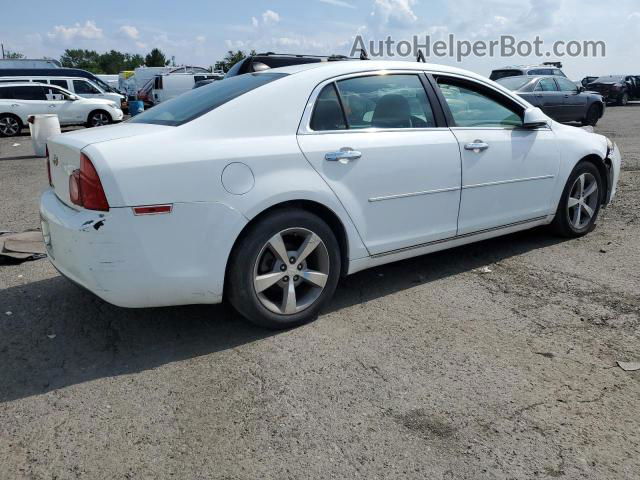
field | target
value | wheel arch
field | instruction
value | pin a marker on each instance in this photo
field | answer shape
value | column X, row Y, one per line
column 96, row 110
column 604, row 167
column 325, row 213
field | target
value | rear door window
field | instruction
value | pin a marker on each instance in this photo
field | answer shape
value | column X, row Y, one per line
column 547, row 85
column 385, row 101
column 35, row 92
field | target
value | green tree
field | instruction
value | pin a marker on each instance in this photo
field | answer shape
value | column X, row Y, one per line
column 230, row 59
column 81, row 58
column 156, row 58
column 10, row 54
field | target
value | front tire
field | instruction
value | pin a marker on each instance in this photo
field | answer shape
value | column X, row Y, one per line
column 98, row 118
column 284, row 269
column 580, row 202
column 10, row 125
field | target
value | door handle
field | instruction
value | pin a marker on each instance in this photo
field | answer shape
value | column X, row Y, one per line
column 52, row 106
column 344, row 155
column 15, row 105
column 476, row 146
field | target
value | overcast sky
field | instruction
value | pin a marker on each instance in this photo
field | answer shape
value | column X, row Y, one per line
column 199, row 32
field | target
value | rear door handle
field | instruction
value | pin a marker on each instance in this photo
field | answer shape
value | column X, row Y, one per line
column 52, row 106
column 344, row 155
column 477, row 146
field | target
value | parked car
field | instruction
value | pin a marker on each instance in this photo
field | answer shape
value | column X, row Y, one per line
column 265, row 61
column 20, row 100
column 276, row 184
column 618, row 89
column 558, row 97
column 82, row 87
column 26, row 73
column 170, row 85
column 552, row 68
column 587, row 80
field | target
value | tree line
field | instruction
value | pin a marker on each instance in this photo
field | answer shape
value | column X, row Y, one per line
column 114, row 62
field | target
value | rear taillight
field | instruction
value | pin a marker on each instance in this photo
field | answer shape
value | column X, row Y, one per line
column 48, row 166
column 85, row 188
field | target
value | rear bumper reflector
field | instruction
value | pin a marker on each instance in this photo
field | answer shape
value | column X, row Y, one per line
column 152, row 209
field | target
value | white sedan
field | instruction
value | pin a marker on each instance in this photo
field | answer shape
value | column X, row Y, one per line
column 20, row 100
column 266, row 188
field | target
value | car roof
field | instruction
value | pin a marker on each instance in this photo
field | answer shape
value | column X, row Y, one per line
column 25, row 84
column 337, row 68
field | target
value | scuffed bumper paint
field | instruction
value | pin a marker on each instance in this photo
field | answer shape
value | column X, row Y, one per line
column 143, row 261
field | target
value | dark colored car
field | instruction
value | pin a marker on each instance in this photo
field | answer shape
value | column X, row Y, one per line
column 558, row 97
column 551, row 68
column 266, row 61
column 202, row 83
column 618, row 89
column 587, row 80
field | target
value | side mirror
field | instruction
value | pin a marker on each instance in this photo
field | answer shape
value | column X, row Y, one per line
column 534, row 118
column 581, row 89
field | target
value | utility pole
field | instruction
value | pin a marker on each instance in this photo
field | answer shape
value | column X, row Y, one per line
column 2, row 45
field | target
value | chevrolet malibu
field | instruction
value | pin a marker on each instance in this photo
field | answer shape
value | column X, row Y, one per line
column 266, row 188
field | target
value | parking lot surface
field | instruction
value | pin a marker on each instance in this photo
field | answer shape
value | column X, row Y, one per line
column 435, row 367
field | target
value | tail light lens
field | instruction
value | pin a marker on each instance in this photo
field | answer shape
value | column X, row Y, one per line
column 48, row 166
column 85, row 188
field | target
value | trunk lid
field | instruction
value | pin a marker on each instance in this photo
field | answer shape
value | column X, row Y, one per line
column 65, row 150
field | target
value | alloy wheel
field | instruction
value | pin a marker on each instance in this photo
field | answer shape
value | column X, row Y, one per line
column 583, row 201
column 291, row 271
column 9, row 126
column 99, row 119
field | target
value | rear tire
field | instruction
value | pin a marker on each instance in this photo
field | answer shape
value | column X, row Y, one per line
column 580, row 202
column 10, row 125
column 284, row 269
column 98, row 118
column 593, row 115
column 623, row 100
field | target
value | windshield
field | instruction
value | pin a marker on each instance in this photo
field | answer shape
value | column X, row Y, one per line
column 199, row 101
column 513, row 83
column 610, row 79
column 498, row 74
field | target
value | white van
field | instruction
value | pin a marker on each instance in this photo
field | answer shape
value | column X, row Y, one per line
column 80, row 86
column 171, row 85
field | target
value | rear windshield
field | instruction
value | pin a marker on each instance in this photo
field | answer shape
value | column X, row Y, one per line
column 197, row 102
column 498, row 74
column 513, row 83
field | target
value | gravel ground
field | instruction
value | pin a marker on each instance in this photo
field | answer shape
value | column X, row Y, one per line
column 427, row 368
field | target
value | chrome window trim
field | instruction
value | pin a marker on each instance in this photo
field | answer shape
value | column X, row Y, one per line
column 305, row 129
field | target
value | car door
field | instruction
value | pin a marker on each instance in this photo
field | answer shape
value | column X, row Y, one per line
column 382, row 146
column 61, row 104
column 575, row 102
column 550, row 99
column 508, row 172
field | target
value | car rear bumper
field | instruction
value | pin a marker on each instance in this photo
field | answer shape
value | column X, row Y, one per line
column 143, row 261
column 616, row 164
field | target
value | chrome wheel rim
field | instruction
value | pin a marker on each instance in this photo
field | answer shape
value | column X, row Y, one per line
column 583, row 201
column 99, row 119
column 9, row 126
column 291, row 271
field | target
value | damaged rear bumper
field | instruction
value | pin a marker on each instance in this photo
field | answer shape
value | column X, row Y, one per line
column 143, row 261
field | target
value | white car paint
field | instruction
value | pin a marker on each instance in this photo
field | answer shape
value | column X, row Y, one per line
column 401, row 199
column 80, row 86
column 71, row 109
